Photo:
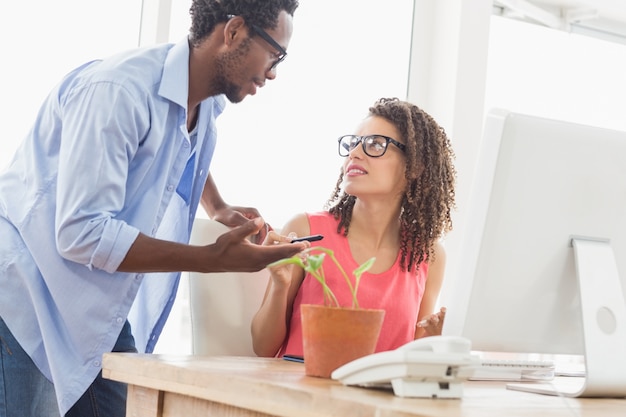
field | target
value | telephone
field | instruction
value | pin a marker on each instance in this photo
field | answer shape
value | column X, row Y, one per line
column 430, row 367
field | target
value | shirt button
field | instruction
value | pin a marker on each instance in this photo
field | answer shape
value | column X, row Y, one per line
column 119, row 319
column 170, row 187
column 185, row 144
column 96, row 363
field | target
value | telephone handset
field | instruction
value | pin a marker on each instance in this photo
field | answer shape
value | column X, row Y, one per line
column 429, row 367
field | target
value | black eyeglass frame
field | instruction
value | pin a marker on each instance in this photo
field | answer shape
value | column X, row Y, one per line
column 282, row 53
column 362, row 140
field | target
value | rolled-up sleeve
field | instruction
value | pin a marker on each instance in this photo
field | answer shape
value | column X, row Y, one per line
column 97, row 148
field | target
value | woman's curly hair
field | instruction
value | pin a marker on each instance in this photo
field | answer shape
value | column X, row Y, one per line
column 206, row 14
column 429, row 194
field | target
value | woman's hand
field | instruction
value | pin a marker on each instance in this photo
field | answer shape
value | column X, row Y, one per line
column 280, row 275
column 433, row 324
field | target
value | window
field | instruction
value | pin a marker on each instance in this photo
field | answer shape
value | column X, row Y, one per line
column 42, row 41
column 550, row 73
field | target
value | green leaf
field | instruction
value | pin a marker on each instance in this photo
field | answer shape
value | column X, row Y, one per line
column 313, row 265
column 364, row 267
column 288, row 261
column 314, row 262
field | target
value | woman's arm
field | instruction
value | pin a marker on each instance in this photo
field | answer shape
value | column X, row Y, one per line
column 430, row 323
column 271, row 322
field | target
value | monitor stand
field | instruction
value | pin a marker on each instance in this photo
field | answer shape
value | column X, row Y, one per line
column 603, row 323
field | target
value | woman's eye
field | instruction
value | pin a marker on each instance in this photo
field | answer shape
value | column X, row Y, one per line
column 376, row 145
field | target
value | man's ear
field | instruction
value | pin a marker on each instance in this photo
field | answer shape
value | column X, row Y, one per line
column 234, row 27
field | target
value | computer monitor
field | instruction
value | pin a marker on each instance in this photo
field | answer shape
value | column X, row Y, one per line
column 544, row 257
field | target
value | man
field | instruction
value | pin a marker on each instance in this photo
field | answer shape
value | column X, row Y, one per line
column 97, row 205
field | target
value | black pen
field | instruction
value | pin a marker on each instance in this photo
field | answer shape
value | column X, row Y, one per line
column 293, row 358
column 311, row 238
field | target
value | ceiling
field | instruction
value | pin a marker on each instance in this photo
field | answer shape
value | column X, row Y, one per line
column 604, row 19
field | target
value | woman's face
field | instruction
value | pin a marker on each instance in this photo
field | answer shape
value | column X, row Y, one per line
column 382, row 176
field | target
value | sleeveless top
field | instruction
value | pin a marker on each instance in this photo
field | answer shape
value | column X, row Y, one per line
column 396, row 291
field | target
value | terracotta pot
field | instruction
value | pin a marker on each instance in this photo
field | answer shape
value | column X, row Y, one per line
column 334, row 336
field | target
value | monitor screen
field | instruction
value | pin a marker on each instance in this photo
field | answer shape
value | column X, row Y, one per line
column 547, row 219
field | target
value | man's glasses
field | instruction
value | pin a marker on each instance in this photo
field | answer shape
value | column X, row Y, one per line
column 282, row 54
column 373, row 145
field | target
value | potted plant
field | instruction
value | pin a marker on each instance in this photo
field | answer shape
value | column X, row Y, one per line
column 332, row 334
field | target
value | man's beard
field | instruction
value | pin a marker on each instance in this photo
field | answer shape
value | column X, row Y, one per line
column 227, row 65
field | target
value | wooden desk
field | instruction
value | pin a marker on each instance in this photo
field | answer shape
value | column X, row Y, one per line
column 190, row 386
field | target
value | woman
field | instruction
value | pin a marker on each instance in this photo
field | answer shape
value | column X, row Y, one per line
column 392, row 202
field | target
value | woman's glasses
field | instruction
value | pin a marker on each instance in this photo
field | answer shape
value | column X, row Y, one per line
column 373, row 145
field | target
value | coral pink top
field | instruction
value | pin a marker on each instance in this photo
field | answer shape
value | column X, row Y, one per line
column 398, row 292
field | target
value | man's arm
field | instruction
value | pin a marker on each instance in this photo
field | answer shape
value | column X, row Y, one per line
column 226, row 214
column 211, row 199
column 231, row 252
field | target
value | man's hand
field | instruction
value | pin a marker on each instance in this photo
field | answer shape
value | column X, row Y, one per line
column 233, row 252
column 233, row 216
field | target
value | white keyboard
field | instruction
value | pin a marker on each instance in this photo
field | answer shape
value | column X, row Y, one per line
column 513, row 370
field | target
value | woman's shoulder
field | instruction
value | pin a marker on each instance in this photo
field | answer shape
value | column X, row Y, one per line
column 319, row 216
column 321, row 221
column 299, row 224
column 311, row 222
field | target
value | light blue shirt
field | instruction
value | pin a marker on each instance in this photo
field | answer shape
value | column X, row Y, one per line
column 108, row 157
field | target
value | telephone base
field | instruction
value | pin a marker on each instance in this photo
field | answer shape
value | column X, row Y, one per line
column 427, row 389
column 431, row 367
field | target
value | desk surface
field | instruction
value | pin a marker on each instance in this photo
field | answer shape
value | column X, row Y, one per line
column 262, row 386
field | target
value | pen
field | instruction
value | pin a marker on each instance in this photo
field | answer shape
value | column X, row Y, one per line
column 311, row 238
column 293, row 358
